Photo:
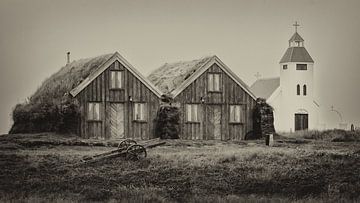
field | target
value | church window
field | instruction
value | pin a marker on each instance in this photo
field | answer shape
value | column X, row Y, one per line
column 304, row 90
column 284, row 67
column 301, row 66
column 213, row 82
column 298, row 89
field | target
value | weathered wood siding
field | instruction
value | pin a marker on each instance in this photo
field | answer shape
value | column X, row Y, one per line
column 230, row 94
column 99, row 91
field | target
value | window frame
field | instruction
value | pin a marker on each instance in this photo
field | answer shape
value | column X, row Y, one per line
column 211, row 85
column 285, row 67
column 91, row 113
column 301, row 66
column 236, row 113
column 118, row 84
column 143, row 111
column 193, row 116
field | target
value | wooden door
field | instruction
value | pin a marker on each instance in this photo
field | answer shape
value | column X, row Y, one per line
column 213, row 124
column 116, row 118
column 301, row 121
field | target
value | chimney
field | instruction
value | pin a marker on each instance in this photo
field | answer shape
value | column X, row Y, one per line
column 68, row 58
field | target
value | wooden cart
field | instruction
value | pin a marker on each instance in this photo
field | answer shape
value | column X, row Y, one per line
column 128, row 148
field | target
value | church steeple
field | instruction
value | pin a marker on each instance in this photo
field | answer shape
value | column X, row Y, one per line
column 296, row 51
column 296, row 40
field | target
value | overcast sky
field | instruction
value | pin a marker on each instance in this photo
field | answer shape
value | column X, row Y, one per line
column 249, row 36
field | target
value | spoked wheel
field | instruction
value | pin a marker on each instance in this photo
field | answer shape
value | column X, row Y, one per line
column 135, row 152
column 126, row 143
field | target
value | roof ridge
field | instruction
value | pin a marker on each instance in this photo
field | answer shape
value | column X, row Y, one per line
column 269, row 78
column 89, row 58
column 184, row 61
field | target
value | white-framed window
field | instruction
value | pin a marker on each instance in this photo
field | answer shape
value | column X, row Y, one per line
column 93, row 111
column 116, row 79
column 285, row 67
column 192, row 113
column 214, row 82
column 140, row 111
column 237, row 113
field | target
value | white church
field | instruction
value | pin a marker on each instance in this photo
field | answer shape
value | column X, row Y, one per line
column 291, row 94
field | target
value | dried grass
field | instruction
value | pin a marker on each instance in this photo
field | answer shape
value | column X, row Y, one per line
column 187, row 171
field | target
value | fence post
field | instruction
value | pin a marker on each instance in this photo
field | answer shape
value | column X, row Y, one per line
column 269, row 140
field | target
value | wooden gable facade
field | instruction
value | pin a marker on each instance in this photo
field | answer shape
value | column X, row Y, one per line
column 214, row 104
column 117, row 102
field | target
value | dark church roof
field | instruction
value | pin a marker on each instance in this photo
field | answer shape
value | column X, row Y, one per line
column 263, row 88
column 296, row 54
column 296, row 38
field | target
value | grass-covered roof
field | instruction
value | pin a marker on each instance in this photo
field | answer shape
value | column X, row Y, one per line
column 170, row 76
column 51, row 108
column 69, row 76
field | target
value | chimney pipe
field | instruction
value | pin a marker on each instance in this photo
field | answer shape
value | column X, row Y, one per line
column 68, row 58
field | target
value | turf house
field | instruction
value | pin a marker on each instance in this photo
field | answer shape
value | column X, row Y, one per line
column 214, row 102
column 116, row 102
column 105, row 97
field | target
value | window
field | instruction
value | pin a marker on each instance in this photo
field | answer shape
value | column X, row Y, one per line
column 214, row 82
column 116, row 79
column 304, row 90
column 94, row 111
column 298, row 89
column 284, row 67
column 237, row 114
column 301, row 67
column 192, row 113
column 140, row 111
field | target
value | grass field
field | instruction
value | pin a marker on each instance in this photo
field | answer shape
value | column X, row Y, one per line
column 38, row 168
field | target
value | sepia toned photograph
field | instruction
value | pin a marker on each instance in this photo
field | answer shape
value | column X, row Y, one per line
column 180, row 101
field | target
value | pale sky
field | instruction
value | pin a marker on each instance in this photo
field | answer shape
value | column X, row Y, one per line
column 249, row 36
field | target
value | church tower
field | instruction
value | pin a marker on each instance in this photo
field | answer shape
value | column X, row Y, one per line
column 297, row 107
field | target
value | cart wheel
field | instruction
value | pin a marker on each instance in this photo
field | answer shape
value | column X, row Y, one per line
column 126, row 143
column 135, row 152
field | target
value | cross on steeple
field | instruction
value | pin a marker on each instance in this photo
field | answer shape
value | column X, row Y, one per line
column 296, row 25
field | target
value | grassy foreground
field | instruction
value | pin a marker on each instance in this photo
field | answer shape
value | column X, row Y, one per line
column 183, row 171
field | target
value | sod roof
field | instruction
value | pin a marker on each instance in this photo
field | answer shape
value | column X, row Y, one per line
column 170, row 76
column 69, row 76
column 173, row 78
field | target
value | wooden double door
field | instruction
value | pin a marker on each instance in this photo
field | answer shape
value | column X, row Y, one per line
column 213, row 125
column 116, row 120
column 301, row 121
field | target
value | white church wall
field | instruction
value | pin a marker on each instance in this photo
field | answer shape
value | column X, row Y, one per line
column 291, row 103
